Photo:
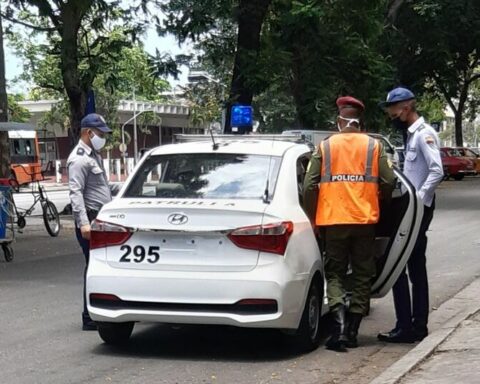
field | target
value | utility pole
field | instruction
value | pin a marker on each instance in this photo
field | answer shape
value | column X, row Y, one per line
column 135, row 134
column 4, row 144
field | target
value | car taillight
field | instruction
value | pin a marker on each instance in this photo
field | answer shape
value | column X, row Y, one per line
column 272, row 238
column 106, row 234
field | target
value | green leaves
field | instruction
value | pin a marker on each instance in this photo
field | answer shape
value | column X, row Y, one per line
column 436, row 48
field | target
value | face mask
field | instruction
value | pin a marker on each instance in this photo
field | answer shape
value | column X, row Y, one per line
column 97, row 142
column 399, row 124
column 354, row 123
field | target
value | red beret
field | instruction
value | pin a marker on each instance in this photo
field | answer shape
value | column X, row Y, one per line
column 350, row 101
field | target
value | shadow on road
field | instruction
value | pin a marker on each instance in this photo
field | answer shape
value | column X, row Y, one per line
column 199, row 343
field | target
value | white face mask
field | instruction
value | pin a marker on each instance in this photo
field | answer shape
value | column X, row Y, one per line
column 97, row 142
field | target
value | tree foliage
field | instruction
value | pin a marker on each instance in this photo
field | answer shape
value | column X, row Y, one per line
column 435, row 46
column 82, row 37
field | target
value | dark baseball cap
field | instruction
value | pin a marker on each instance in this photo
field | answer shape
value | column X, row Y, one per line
column 94, row 120
column 397, row 95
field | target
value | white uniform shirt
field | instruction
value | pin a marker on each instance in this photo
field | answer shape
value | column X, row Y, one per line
column 423, row 163
column 89, row 189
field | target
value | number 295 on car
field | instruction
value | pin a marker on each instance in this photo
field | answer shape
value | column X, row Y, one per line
column 140, row 254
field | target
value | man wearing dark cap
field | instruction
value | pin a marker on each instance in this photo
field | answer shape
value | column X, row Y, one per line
column 344, row 179
column 89, row 189
column 423, row 167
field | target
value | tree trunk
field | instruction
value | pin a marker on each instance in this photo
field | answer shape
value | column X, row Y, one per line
column 77, row 97
column 4, row 144
column 251, row 15
column 459, row 114
column 459, row 128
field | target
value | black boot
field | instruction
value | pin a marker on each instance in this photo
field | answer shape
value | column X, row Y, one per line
column 336, row 342
column 354, row 320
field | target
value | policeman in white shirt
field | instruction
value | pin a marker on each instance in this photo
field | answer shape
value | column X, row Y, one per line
column 423, row 167
column 89, row 188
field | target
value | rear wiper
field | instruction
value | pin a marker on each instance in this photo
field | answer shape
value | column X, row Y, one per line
column 266, row 194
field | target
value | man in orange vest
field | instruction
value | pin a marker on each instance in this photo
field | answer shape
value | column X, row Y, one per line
column 346, row 176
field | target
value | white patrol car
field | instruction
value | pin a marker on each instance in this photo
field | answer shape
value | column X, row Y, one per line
column 216, row 234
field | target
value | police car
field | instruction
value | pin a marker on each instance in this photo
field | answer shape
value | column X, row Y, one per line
column 214, row 233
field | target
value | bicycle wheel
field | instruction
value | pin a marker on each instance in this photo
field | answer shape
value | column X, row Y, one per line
column 51, row 218
column 7, row 252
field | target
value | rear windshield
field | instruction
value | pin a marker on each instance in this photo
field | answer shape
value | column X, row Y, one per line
column 206, row 176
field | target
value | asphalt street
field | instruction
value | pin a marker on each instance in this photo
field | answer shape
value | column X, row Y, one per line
column 41, row 339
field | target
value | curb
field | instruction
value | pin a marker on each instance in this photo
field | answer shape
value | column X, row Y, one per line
column 457, row 309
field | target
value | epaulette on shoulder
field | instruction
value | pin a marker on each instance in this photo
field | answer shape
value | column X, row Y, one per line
column 80, row 151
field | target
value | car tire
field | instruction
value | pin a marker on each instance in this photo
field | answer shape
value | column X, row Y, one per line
column 458, row 177
column 115, row 333
column 308, row 335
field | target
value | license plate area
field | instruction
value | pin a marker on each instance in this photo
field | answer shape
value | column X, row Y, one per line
column 156, row 250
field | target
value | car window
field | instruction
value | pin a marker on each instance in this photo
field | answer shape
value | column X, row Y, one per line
column 469, row 153
column 454, row 153
column 206, row 176
column 387, row 146
column 302, row 165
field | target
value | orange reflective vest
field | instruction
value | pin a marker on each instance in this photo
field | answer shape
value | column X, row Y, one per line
column 348, row 191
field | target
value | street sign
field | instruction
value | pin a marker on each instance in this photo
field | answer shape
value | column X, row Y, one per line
column 122, row 147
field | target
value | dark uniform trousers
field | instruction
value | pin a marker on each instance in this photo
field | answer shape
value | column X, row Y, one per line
column 416, row 316
column 352, row 244
column 85, row 245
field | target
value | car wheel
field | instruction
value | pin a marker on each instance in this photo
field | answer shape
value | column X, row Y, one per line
column 308, row 335
column 458, row 177
column 115, row 333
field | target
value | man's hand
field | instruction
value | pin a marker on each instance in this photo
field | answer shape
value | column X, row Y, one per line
column 85, row 230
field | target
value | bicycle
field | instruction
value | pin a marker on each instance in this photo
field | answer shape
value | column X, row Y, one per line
column 50, row 214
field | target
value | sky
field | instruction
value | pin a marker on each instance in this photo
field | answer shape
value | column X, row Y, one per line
column 166, row 44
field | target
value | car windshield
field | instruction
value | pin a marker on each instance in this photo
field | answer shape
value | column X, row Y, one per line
column 205, row 176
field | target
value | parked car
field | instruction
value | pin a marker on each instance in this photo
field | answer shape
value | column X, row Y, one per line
column 316, row 137
column 215, row 233
column 455, row 164
column 471, row 154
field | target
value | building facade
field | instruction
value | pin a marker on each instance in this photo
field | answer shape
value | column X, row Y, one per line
column 56, row 144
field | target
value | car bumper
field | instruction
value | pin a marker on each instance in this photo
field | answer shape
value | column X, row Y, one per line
column 196, row 297
column 468, row 172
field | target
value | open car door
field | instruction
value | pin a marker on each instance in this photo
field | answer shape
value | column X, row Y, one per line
column 396, row 234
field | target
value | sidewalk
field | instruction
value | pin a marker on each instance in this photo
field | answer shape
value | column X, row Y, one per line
column 456, row 360
column 450, row 354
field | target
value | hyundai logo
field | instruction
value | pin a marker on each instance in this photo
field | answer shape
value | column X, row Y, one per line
column 177, row 219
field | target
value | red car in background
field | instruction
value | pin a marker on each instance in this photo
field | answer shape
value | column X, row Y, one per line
column 455, row 165
column 472, row 155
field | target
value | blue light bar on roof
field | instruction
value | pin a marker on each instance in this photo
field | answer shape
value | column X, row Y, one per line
column 242, row 116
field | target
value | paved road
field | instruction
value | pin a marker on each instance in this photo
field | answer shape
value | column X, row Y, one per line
column 41, row 340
